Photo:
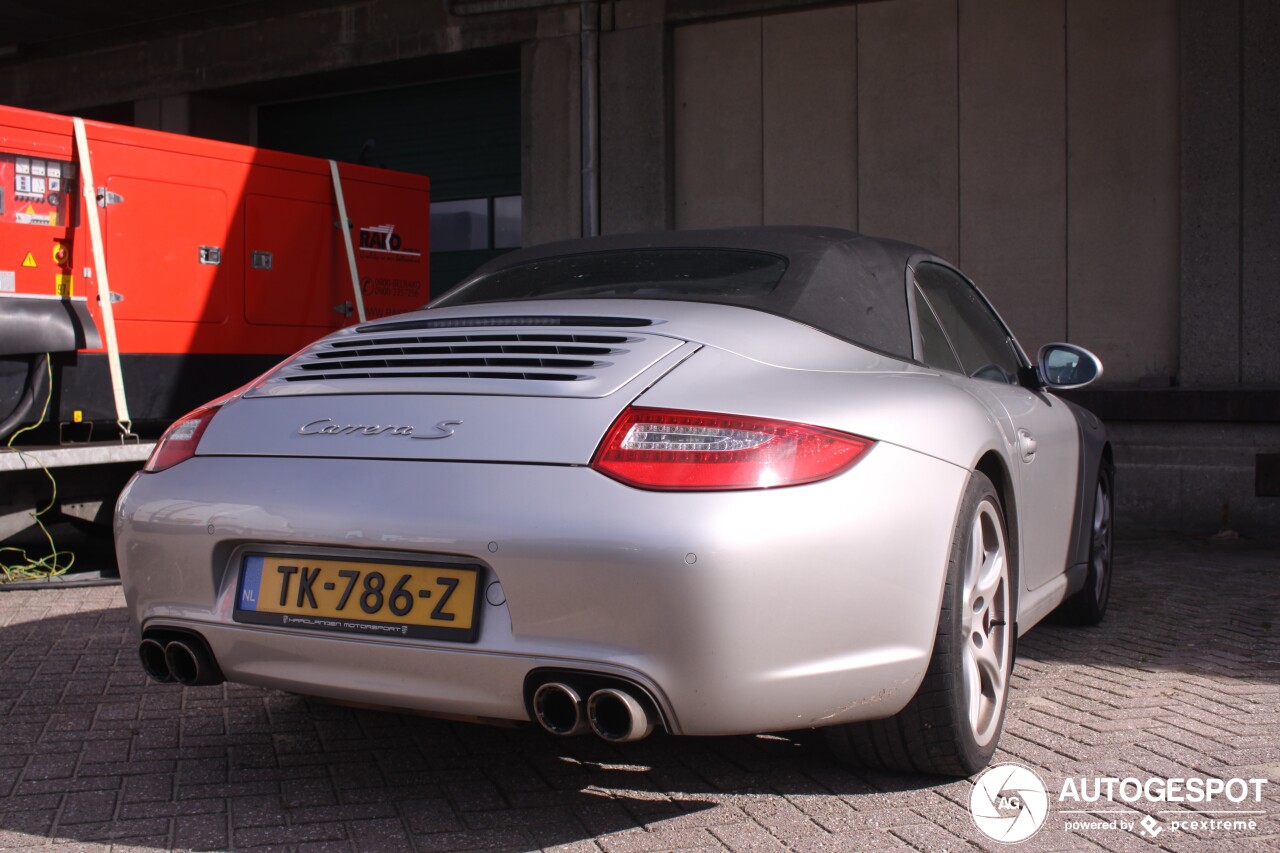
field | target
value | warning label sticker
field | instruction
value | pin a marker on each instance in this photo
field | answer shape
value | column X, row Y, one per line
column 30, row 217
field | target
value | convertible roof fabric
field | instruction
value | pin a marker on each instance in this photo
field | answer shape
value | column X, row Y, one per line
column 847, row 284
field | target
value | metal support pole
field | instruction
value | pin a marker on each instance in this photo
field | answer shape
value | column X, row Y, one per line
column 590, row 117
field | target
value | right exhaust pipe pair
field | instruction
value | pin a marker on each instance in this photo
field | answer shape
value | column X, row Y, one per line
column 186, row 661
column 613, row 714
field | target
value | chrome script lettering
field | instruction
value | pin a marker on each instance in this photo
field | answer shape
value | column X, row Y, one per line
column 326, row 426
column 445, row 430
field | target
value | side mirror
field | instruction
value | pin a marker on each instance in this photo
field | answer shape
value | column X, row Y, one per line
column 1066, row 366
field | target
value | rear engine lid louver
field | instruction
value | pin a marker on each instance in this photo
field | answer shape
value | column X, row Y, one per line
column 530, row 357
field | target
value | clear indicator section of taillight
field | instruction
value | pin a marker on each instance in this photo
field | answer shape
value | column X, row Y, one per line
column 180, row 441
column 676, row 450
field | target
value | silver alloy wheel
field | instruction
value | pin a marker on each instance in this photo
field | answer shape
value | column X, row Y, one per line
column 1101, row 551
column 986, row 622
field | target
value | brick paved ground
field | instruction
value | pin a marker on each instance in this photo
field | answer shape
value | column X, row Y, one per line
column 1182, row 680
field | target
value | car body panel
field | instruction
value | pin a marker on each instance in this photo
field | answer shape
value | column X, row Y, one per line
column 729, row 623
column 1042, row 441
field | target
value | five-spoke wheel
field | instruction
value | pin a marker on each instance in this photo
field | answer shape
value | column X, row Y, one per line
column 986, row 622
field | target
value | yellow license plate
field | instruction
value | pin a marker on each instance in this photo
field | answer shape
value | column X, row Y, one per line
column 376, row 599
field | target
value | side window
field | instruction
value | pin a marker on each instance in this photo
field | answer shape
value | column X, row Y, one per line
column 980, row 340
column 936, row 351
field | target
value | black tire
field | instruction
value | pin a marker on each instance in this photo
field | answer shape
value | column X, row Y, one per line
column 1089, row 605
column 952, row 725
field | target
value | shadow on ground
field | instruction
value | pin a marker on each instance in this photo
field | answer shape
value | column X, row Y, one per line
column 1211, row 608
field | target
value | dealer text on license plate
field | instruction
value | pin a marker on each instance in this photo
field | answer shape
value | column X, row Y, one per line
column 376, row 599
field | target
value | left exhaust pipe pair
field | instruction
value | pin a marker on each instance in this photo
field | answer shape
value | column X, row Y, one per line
column 612, row 714
column 187, row 661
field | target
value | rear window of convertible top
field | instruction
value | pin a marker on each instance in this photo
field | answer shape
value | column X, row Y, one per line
column 710, row 275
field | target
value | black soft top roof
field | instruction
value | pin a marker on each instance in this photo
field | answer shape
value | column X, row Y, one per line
column 841, row 282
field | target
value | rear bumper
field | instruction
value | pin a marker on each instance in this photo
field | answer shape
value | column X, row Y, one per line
column 739, row 612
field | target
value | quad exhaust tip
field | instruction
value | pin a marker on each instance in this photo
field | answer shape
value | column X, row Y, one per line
column 151, row 654
column 618, row 717
column 559, row 709
column 186, row 660
column 614, row 714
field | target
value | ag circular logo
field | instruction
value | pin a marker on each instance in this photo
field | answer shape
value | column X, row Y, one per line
column 1009, row 803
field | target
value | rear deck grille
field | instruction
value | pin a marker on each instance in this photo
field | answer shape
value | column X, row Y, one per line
column 512, row 320
column 557, row 356
column 537, row 356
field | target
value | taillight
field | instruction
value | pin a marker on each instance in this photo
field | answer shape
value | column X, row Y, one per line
column 675, row 450
column 179, row 441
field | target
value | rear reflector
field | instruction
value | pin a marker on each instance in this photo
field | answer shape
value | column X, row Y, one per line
column 674, row 450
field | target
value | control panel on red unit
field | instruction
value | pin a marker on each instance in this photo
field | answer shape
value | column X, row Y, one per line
column 34, row 190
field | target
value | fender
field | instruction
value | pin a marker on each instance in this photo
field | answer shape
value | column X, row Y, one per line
column 1093, row 445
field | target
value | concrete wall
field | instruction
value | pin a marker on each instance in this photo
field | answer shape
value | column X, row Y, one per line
column 765, row 120
column 1231, row 192
column 1122, row 185
column 551, row 180
column 1193, row 477
column 809, row 118
column 719, row 147
column 635, row 127
column 1260, row 193
column 272, row 46
column 1013, row 148
column 908, row 162
column 1032, row 142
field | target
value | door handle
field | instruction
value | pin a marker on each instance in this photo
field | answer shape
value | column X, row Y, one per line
column 1026, row 445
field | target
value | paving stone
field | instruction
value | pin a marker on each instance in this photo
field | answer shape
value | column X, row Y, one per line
column 88, row 807
column 200, row 832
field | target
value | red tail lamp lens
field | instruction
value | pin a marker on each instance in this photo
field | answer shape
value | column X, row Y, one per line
column 668, row 449
column 179, row 441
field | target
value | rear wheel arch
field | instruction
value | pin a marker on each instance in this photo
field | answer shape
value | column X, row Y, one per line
column 1088, row 605
column 994, row 468
column 953, row 723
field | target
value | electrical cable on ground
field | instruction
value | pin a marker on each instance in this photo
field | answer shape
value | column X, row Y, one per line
column 49, row 566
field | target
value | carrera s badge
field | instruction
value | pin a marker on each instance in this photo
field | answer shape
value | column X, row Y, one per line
column 325, row 426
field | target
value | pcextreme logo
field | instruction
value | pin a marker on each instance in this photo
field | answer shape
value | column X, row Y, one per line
column 1010, row 803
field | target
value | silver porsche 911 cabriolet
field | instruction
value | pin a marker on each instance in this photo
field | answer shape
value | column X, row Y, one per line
column 714, row 482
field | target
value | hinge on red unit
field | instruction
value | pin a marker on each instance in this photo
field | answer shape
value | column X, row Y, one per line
column 106, row 197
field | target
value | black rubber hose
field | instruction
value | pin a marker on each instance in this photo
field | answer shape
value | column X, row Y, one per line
column 39, row 366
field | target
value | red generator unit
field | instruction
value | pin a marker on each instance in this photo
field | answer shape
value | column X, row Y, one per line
column 217, row 260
